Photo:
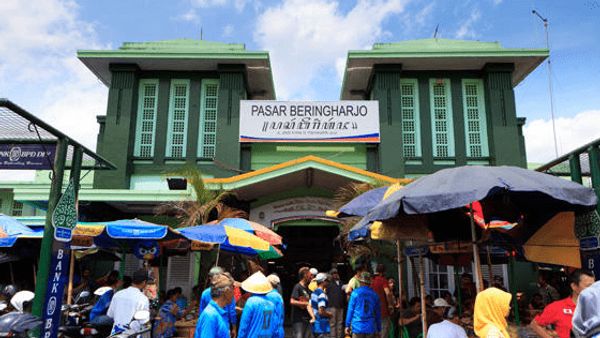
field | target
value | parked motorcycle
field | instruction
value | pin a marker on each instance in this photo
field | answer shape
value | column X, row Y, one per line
column 140, row 327
column 74, row 316
column 18, row 323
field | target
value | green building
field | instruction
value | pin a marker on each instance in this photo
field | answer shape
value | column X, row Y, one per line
column 171, row 104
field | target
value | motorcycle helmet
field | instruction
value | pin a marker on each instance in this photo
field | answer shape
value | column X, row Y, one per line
column 21, row 299
column 9, row 291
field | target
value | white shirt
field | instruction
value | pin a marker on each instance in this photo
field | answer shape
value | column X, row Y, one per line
column 125, row 304
column 446, row 329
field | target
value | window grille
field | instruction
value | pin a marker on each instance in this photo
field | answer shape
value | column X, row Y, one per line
column 411, row 127
column 178, row 116
column 442, row 129
column 146, row 118
column 474, row 116
column 208, row 118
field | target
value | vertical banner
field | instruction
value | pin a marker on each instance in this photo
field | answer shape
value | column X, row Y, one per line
column 64, row 219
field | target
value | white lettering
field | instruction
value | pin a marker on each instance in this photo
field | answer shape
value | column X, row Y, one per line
column 59, row 255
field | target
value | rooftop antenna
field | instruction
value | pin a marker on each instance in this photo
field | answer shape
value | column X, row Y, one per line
column 201, row 37
column 436, row 31
column 545, row 21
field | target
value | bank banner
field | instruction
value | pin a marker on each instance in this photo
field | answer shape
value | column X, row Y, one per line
column 307, row 121
column 27, row 156
column 58, row 277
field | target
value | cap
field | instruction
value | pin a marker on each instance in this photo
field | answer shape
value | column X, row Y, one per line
column 365, row 277
column 257, row 283
column 314, row 271
column 440, row 302
column 273, row 279
column 321, row 277
column 140, row 276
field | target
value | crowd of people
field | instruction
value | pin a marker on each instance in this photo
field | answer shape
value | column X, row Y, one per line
column 367, row 306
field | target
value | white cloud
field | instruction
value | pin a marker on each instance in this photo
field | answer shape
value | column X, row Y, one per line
column 572, row 132
column 466, row 29
column 239, row 5
column 189, row 16
column 39, row 69
column 497, row 2
column 228, row 30
column 308, row 37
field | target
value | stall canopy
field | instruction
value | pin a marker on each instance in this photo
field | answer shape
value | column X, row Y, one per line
column 11, row 230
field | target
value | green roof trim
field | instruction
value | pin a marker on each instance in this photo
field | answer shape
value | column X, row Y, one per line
column 444, row 48
column 180, row 48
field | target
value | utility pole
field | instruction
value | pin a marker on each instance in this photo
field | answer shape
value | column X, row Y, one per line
column 545, row 21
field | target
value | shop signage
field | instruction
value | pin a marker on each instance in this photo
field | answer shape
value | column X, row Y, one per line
column 415, row 251
column 27, row 156
column 57, row 279
column 64, row 218
column 306, row 121
column 291, row 207
column 589, row 243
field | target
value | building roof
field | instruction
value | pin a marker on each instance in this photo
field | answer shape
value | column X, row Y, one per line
column 306, row 171
column 435, row 54
column 185, row 55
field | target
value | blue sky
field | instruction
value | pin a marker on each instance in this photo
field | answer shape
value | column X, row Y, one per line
column 307, row 41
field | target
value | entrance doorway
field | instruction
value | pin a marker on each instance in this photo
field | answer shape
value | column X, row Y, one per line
column 308, row 245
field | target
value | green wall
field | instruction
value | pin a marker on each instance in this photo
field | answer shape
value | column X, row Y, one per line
column 268, row 154
column 117, row 133
column 505, row 138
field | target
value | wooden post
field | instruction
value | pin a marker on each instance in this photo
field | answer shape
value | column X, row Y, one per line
column 422, row 287
column 12, row 274
column 477, row 272
column 71, row 273
column 34, row 274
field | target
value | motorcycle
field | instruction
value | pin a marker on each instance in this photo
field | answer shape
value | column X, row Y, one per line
column 18, row 323
column 74, row 316
column 139, row 327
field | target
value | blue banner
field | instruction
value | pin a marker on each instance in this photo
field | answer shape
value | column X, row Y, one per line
column 58, row 277
column 27, row 156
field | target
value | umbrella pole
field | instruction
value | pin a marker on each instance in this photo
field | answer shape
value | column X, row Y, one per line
column 513, row 288
column 422, row 287
column 12, row 274
column 218, row 251
column 478, row 277
column 34, row 274
column 70, row 285
column 399, row 253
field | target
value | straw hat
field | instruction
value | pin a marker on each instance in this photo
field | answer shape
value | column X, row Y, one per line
column 257, row 283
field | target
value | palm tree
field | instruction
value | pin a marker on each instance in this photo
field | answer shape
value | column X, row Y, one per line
column 209, row 205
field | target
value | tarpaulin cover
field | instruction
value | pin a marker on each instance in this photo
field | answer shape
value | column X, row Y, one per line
column 11, row 230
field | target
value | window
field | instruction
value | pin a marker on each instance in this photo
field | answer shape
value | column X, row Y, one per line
column 475, row 122
column 437, row 279
column 17, row 208
column 411, row 126
column 178, row 115
column 442, row 128
column 208, row 118
column 146, row 118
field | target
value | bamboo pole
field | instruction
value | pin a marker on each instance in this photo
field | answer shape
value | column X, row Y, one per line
column 34, row 274
column 12, row 274
column 218, row 252
column 422, row 287
column 477, row 272
column 71, row 272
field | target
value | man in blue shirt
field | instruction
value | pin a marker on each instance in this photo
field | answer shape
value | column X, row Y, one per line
column 211, row 323
column 98, row 314
column 258, row 317
column 229, row 315
column 363, row 319
column 275, row 297
column 319, row 304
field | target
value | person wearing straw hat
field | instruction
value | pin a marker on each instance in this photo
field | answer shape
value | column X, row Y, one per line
column 229, row 315
column 275, row 297
column 363, row 319
column 212, row 322
column 258, row 318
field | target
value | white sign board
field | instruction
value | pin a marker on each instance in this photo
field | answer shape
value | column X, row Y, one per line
column 306, row 121
column 291, row 207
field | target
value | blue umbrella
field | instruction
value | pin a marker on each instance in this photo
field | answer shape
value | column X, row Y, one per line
column 458, row 187
column 115, row 234
column 11, row 230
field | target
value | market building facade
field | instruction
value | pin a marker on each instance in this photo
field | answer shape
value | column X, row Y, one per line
column 171, row 104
